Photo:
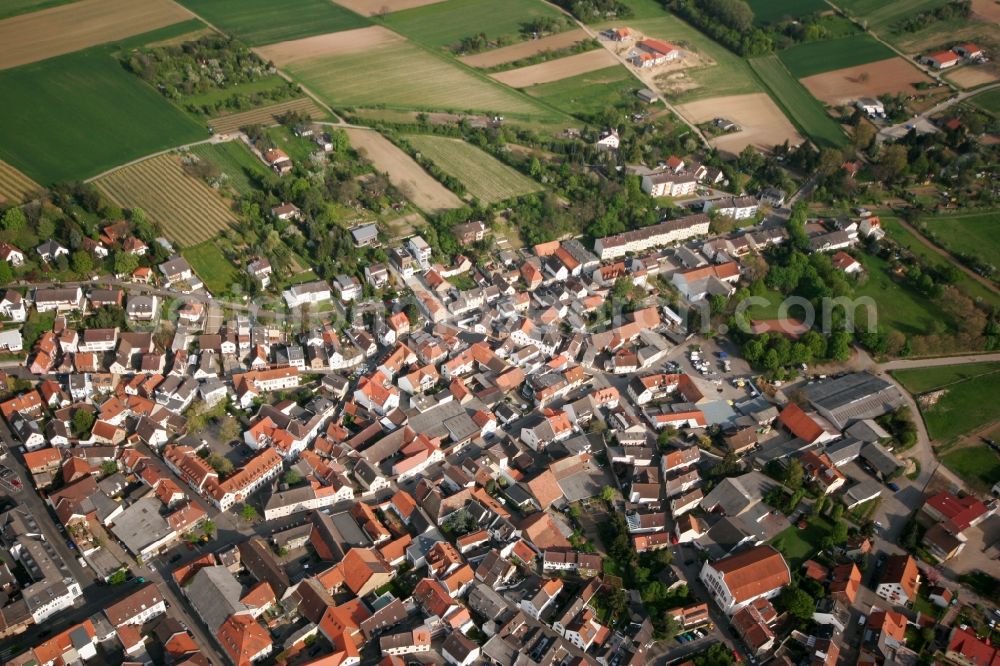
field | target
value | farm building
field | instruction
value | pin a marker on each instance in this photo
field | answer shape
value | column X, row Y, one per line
column 969, row 51
column 618, row 34
column 870, row 106
column 278, row 160
column 942, row 59
column 653, row 52
column 609, row 140
column 647, row 95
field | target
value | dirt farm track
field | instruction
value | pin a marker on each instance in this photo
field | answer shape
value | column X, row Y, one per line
column 78, row 25
column 188, row 210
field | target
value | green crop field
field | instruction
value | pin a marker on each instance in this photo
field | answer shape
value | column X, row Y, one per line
column 988, row 101
column 444, row 24
column 802, row 108
column 408, row 77
column 586, row 94
column 14, row 7
column 811, row 58
column 89, row 116
column 963, row 407
column 485, row 177
column 882, row 14
column 973, row 235
column 769, row 11
column 208, row 262
column 259, row 22
column 725, row 74
column 905, row 238
column 235, row 160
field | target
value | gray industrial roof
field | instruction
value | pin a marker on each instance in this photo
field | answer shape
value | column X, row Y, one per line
column 141, row 524
column 215, row 594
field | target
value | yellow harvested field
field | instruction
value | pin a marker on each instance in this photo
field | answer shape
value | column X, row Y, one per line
column 843, row 86
column 378, row 7
column 416, row 184
column 524, row 49
column 970, row 77
column 556, row 70
column 14, row 184
column 187, row 210
column 78, row 25
column 333, row 43
column 764, row 125
column 266, row 115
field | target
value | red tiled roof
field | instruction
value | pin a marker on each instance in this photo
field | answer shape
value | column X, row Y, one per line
column 799, row 423
column 753, row 572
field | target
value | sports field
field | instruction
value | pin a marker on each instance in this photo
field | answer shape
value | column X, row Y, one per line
column 416, row 184
column 811, row 58
column 66, row 28
column 588, row 93
column 722, row 74
column 961, row 408
column 89, row 116
column 208, row 262
column 444, row 24
column 234, row 159
column 976, row 235
column 259, row 22
column 266, row 115
column 486, row 178
column 187, row 210
column 801, row 107
column 769, row 11
column 14, row 184
column 408, row 77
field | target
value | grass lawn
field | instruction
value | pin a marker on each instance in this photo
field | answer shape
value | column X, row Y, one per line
column 89, row 116
column 259, row 22
column 444, row 24
column 211, row 265
column 904, row 237
column 799, row 545
column 973, row 235
column 485, row 177
column 797, row 103
column 249, row 88
column 408, row 77
column 964, row 406
column 298, row 148
column 811, row 58
column 897, row 306
column 978, row 465
column 988, row 101
column 769, row 11
column 727, row 75
column 15, row 7
column 770, row 311
column 235, row 160
column 590, row 93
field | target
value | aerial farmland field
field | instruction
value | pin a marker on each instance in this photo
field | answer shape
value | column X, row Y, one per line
column 258, row 22
column 208, row 262
column 588, row 93
column 842, row 86
column 91, row 115
column 16, row 7
column 811, row 58
column 234, row 159
column 445, row 24
column 370, row 8
column 14, row 184
column 67, row 28
column 988, row 101
column 769, row 11
column 527, row 49
column 485, row 177
column 266, row 115
column 407, row 77
column 973, row 234
column 882, row 14
column 797, row 103
column 556, row 70
column 187, row 210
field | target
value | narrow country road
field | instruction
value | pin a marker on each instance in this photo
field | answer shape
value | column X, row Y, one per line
column 909, row 363
column 937, row 249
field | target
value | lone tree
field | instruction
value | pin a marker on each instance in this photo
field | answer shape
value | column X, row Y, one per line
column 248, row 513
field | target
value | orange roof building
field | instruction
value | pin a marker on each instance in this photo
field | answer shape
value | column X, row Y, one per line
column 244, row 640
column 737, row 580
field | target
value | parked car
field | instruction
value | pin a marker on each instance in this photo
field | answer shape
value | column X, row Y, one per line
column 893, row 486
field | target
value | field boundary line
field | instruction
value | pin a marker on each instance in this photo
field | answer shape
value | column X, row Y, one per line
column 947, row 254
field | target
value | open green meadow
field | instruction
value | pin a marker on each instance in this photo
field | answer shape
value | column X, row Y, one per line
column 769, row 11
column 883, row 14
column 965, row 405
column 898, row 307
column 408, row 77
column 978, row 465
column 89, row 116
column 485, row 177
column 445, row 24
column 235, row 160
column 589, row 93
column 802, row 108
column 905, row 238
column 975, row 234
column 259, row 22
column 811, row 58
column 207, row 260
column 988, row 101
column 15, row 7
column 728, row 75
